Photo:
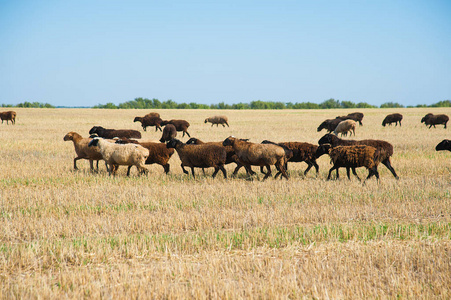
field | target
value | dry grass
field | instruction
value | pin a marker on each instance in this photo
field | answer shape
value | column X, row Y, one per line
column 76, row 234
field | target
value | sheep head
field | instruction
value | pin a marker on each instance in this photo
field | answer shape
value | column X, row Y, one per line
column 322, row 149
column 95, row 129
column 138, row 119
column 327, row 139
column 229, row 141
column 173, row 143
column 444, row 145
column 69, row 136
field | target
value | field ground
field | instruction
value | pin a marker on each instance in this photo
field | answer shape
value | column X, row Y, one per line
column 76, row 234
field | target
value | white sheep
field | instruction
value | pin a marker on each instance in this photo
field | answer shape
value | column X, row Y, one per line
column 118, row 154
column 217, row 120
column 344, row 126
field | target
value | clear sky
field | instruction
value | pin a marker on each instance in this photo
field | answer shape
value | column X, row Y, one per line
column 82, row 53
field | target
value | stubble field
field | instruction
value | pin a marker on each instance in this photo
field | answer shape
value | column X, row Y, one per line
column 76, row 234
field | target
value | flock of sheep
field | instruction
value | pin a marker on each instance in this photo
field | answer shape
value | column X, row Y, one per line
column 124, row 147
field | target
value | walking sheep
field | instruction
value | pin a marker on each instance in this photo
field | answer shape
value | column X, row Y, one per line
column 344, row 126
column 351, row 157
column 149, row 120
column 217, row 120
column 393, row 118
column 169, row 133
column 385, row 148
column 116, row 154
column 258, row 155
column 432, row 120
column 158, row 153
column 82, row 150
column 180, row 125
column 112, row 133
column 200, row 156
column 443, row 145
column 8, row 116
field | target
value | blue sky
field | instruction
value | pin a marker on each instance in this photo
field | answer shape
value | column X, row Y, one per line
column 82, row 53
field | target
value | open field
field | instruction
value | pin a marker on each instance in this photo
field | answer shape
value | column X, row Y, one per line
column 76, row 234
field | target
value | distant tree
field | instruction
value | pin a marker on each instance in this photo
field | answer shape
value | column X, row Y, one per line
column 444, row 103
column 347, row 104
column 391, row 105
column 331, row 103
column 364, row 105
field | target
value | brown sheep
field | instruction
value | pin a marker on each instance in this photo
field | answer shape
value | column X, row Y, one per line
column 385, row 148
column 432, row 120
column 158, row 153
column 329, row 124
column 392, row 118
column 351, row 157
column 149, row 120
column 180, row 125
column 258, row 155
column 8, row 116
column 217, row 120
column 152, row 114
column 356, row 116
column 200, row 156
column 344, row 127
column 169, row 133
column 112, row 133
column 302, row 152
column 82, row 150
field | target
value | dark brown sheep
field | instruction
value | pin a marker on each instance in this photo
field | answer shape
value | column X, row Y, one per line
column 329, row 124
column 169, row 133
column 443, row 145
column 149, row 120
column 385, row 148
column 8, row 116
column 180, row 125
column 432, row 120
column 392, row 118
column 200, row 156
column 152, row 114
column 258, row 155
column 112, row 133
column 356, row 116
column 158, row 153
column 351, row 157
column 302, row 152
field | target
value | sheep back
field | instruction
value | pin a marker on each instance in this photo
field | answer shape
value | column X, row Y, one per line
column 443, row 145
column 354, row 156
column 329, row 124
column 112, row 133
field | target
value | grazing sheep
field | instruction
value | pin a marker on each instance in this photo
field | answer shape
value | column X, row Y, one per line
column 82, row 150
column 385, row 148
column 180, row 125
column 158, row 153
column 344, row 127
column 392, row 118
column 149, row 120
column 443, row 145
column 329, row 124
column 217, row 120
column 200, row 156
column 116, row 154
column 8, row 116
column 258, row 155
column 169, row 133
column 112, row 133
column 356, row 116
column 302, row 152
column 351, row 157
column 432, row 120
column 152, row 114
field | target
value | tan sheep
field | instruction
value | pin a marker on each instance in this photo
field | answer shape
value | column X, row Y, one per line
column 344, row 126
column 82, row 150
column 217, row 120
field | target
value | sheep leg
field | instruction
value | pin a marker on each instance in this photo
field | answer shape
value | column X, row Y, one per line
column 387, row 163
column 186, row 133
column 192, row 171
column 268, row 167
column 262, row 170
column 355, row 174
column 75, row 162
column 183, row 168
column 223, row 171
column 282, row 171
column 445, row 124
column 128, row 170
column 348, row 172
column 227, row 124
column 166, row 168
column 238, row 166
column 203, row 170
column 330, row 172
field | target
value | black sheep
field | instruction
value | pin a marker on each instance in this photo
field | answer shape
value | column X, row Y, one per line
column 112, row 133
column 432, row 120
column 392, row 118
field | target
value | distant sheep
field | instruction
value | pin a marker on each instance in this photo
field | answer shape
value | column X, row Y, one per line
column 385, row 148
column 345, row 126
column 112, row 133
column 432, row 120
column 180, row 125
column 217, row 120
column 356, row 116
column 116, row 154
column 443, row 145
column 169, row 133
column 258, row 155
column 158, row 153
column 392, row 118
column 351, row 157
column 82, row 150
column 200, row 156
column 150, row 120
column 8, row 116
column 302, row 152
column 329, row 124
